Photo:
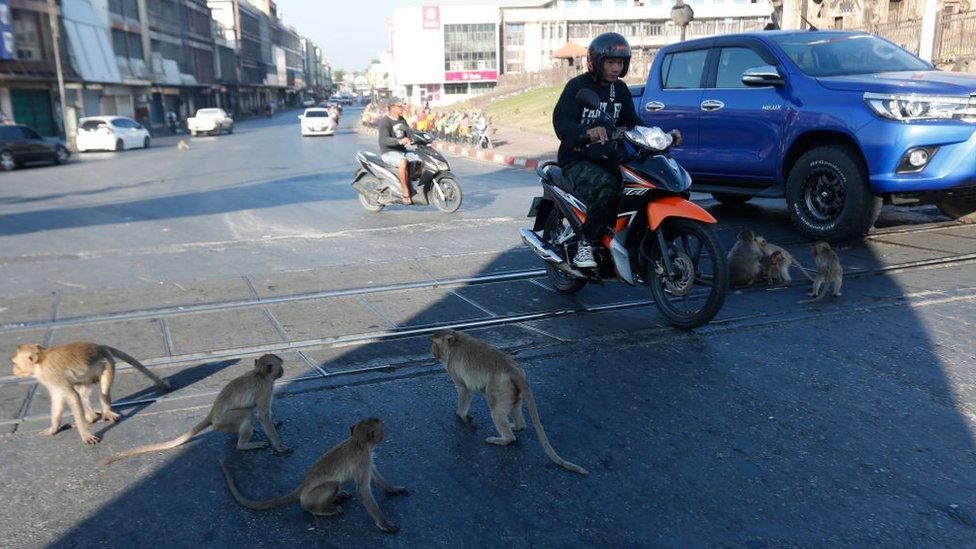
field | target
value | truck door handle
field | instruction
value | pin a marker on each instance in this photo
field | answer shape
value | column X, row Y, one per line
column 712, row 105
column 654, row 106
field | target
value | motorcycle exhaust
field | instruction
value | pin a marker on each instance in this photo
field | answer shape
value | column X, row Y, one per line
column 530, row 239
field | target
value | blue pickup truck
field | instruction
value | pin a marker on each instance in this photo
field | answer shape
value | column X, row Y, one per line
column 837, row 123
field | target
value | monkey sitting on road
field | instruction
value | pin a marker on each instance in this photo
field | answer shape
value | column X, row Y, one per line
column 781, row 264
column 182, row 145
column 829, row 271
column 231, row 412
column 744, row 267
column 68, row 371
column 320, row 493
column 476, row 365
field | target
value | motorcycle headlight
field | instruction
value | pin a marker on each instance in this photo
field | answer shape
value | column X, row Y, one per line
column 649, row 138
column 912, row 107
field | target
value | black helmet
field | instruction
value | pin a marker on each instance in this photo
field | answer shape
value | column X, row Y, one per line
column 608, row 44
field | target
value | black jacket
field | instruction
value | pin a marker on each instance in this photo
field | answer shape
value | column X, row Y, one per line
column 571, row 120
column 390, row 133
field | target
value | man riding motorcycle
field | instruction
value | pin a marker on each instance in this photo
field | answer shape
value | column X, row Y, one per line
column 585, row 156
column 393, row 143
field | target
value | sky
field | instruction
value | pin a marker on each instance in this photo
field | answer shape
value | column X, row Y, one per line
column 350, row 33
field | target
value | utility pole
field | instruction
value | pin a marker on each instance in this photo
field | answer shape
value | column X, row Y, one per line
column 52, row 9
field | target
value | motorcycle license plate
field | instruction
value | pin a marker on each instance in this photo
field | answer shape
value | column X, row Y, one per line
column 535, row 206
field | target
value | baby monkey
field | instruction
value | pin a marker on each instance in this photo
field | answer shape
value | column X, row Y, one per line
column 231, row 412
column 477, row 366
column 829, row 271
column 68, row 372
column 776, row 263
column 320, row 493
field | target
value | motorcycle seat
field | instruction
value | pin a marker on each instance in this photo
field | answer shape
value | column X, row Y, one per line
column 554, row 174
column 372, row 158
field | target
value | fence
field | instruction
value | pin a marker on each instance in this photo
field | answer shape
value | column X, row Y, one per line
column 955, row 36
column 906, row 34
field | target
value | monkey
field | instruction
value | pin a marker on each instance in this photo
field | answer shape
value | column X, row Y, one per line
column 475, row 365
column 67, row 372
column 321, row 491
column 182, row 145
column 744, row 268
column 782, row 265
column 829, row 271
column 773, row 267
column 231, row 412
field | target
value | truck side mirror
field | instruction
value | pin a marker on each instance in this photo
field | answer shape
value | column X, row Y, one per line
column 588, row 98
column 766, row 75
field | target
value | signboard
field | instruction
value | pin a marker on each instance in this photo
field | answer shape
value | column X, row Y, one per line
column 470, row 76
column 8, row 47
column 432, row 17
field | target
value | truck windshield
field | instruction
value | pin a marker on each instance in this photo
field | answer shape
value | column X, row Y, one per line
column 838, row 54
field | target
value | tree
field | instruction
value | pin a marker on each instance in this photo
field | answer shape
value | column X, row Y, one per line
column 339, row 75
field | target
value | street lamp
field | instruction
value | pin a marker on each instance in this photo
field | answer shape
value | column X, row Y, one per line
column 681, row 15
column 55, row 36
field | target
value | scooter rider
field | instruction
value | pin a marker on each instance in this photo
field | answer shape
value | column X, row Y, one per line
column 592, row 170
column 393, row 143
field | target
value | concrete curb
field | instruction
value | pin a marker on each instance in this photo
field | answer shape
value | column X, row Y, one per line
column 478, row 154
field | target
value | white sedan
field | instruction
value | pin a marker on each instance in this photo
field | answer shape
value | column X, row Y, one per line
column 110, row 133
column 317, row 122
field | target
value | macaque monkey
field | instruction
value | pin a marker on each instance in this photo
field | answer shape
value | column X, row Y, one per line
column 320, row 493
column 231, row 412
column 68, row 371
column 744, row 267
column 476, row 365
column 182, row 145
column 782, row 262
column 829, row 271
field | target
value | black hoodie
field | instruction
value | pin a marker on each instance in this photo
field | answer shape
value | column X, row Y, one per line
column 571, row 120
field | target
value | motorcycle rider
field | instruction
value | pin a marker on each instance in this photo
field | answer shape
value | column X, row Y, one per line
column 593, row 171
column 393, row 143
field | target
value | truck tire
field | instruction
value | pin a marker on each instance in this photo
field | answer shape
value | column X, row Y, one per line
column 828, row 195
column 962, row 210
column 731, row 199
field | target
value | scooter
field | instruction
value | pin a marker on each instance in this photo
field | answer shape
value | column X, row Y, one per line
column 433, row 183
column 659, row 238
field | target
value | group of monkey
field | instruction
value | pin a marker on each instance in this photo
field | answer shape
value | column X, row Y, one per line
column 68, row 371
column 752, row 259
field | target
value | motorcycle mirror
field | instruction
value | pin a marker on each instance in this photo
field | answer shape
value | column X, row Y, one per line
column 588, row 98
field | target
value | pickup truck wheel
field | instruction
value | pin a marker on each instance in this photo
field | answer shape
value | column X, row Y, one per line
column 828, row 196
column 962, row 210
column 731, row 199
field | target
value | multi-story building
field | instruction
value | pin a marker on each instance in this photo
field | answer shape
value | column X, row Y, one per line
column 447, row 53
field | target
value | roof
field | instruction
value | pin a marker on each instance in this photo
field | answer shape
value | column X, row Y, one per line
column 569, row 50
column 106, row 117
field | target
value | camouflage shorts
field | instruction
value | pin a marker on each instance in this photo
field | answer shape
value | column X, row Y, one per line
column 599, row 189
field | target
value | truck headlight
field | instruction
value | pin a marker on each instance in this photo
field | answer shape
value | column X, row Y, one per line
column 912, row 107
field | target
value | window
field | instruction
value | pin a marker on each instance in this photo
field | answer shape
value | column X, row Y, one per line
column 515, row 34
column 833, row 54
column 455, row 89
column 12, row 133
column 732, row 63
column 470, row 47
column 683, row 70
column 570, row 4
column 27, row 35
column 92, row 124
column 622, row 3
column 29, row 133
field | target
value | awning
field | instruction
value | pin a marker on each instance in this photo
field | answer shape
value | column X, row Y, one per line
column 569, row 51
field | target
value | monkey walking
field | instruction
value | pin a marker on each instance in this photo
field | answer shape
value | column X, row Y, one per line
column 829, row 271
column 231, row 412
column 320, row 493
column 476, row 365
column 68, row 371
column 744, row 258
column 776, row 262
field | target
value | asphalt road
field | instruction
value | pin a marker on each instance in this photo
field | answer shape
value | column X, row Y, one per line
column 848, row 422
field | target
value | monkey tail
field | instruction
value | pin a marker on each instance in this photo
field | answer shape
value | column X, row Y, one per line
column 523, row 387
column 804, row 270
column 149, row 448
column 821, row 295
column 294, row 495
column 121, row 355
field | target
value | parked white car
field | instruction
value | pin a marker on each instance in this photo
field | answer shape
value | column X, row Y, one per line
column 317, row 122
column 111, row 133
column 210, row 121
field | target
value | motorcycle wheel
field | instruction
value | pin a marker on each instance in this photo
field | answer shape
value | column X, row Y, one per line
column 558, row 279
column 367, row 203
column 452, row 194
column 695, row 292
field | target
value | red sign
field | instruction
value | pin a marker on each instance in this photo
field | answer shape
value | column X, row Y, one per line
column 470, row 76
column 432, row 17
